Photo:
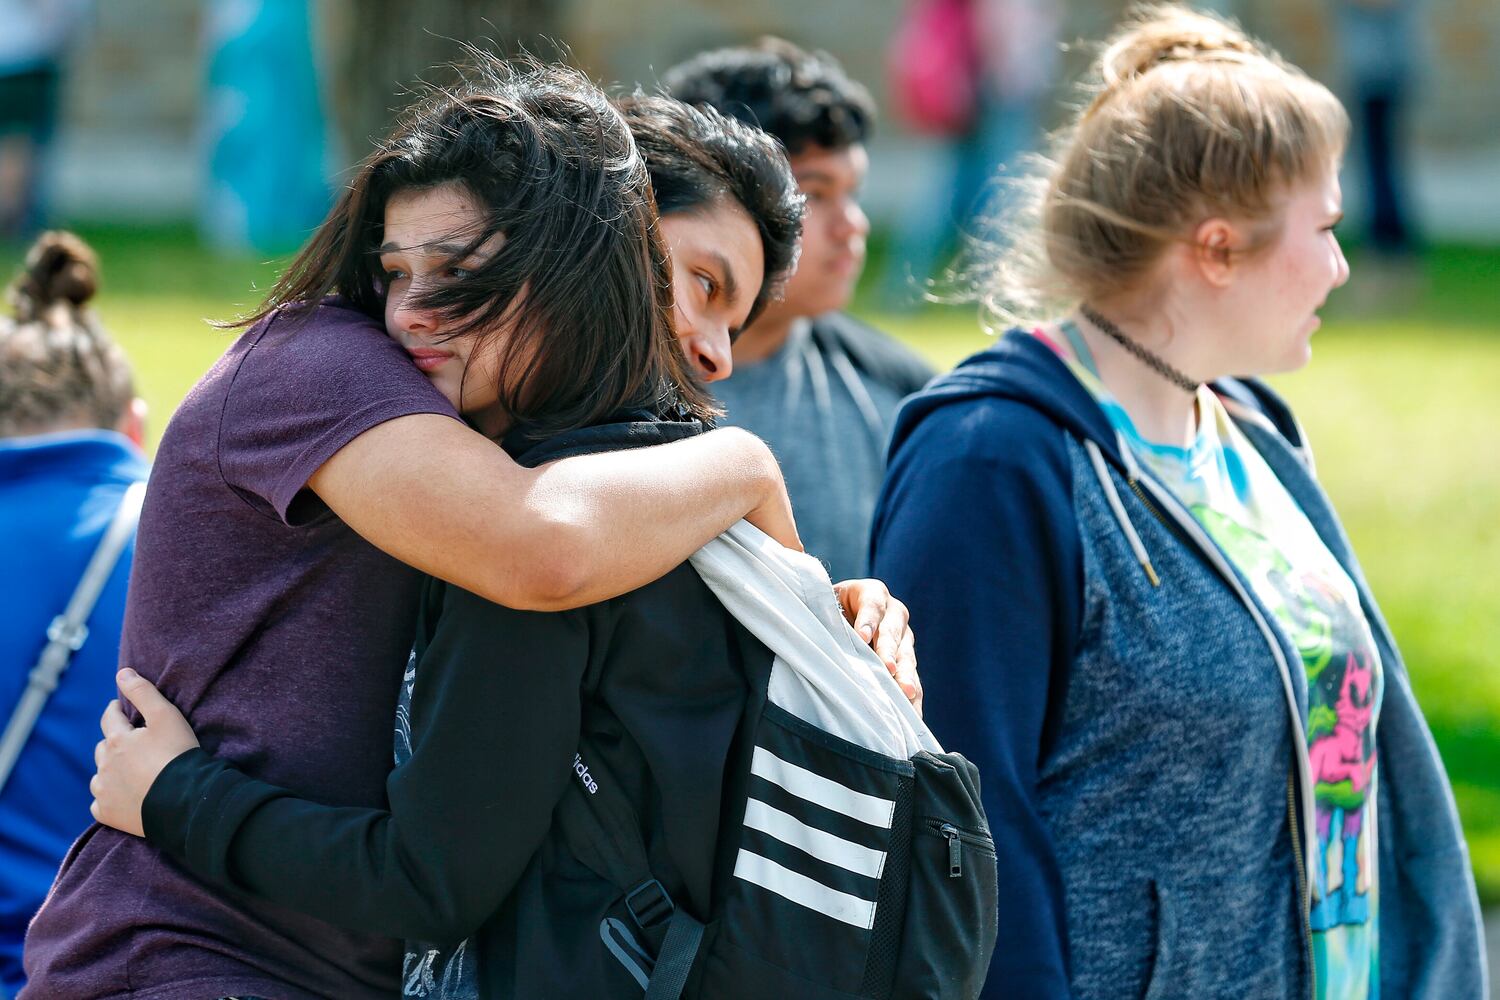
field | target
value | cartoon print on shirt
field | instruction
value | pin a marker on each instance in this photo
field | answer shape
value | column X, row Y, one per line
column 1343, row 768
column 1243, row 506
column 1341, row 702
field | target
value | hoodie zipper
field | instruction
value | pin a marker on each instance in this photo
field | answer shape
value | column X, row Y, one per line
column 1300, row 830
column 1112, row 495
column 1135, row 487
column 1303, row 888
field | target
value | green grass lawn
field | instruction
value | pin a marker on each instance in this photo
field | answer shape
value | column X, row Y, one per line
column 1402, row 413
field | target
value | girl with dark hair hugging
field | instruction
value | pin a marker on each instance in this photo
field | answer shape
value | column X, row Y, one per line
column 506, row 231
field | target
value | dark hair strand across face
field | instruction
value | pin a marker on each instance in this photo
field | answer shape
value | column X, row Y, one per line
column 580, row 284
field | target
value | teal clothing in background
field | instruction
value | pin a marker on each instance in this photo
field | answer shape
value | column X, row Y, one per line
column 266, row 185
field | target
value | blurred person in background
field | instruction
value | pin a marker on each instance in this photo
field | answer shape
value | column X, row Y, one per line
column 817, row 385
column 70, row 446
column 1380, row 42
column 262, row 80
column 1205, row 767
column 34, row 35
column 982, row 102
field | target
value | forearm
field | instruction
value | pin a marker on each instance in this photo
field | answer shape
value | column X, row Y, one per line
column 461, row 827
column 441, row 498
column 623, row 519
column 351, row 867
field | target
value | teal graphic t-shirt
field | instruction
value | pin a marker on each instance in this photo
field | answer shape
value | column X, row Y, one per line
column 1244, row 508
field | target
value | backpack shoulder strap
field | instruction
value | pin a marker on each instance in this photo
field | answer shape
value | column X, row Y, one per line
column 603, row 831
column 68, row 631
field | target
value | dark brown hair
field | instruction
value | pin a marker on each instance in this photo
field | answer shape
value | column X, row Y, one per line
column 581, row 283
column 58, row 368
column 698, row 158
column 802, row 98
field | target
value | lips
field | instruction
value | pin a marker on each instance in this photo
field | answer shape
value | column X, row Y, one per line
column 428, row 359
column 846, row 263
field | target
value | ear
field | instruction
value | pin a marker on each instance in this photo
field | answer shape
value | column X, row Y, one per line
column 133, row 422
column 1212, row 250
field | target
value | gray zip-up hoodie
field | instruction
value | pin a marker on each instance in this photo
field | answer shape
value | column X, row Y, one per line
column 1136, row 712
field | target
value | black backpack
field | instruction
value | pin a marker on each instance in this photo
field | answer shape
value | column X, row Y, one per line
column 844, row 872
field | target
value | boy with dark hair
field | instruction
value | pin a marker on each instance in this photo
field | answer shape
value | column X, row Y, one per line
column 820, row 387
column 731, row 216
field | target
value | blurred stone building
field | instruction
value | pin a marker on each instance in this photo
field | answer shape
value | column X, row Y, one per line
column 130, row 144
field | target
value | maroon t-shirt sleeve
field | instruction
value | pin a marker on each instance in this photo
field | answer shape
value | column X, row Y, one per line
column 308, row 383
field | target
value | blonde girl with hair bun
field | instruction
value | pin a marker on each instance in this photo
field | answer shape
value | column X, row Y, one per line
column 1203, row 763
column 70, row 456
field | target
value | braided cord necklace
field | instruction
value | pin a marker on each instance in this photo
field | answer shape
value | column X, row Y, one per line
column 1146, row 357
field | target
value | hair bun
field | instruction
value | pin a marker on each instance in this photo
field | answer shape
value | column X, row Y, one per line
column 1159, row 34
column 60, row 268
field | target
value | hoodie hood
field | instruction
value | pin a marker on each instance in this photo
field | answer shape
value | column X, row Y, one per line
column 1022, row 368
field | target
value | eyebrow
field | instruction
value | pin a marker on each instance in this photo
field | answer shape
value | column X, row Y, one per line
column 445, row 249
column 823, row 176
column 731, row 284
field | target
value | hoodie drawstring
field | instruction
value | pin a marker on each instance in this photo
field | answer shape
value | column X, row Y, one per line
column 1096, row 458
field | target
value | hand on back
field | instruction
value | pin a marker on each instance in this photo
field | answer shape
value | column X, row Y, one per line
column 129, row 758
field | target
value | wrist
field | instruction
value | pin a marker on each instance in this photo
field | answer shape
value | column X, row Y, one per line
column 166, row 808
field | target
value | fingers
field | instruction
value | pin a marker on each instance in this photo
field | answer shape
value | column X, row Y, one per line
column 891, row 638
column 864, row 603
column 906, row 672
column 152, row 704
column 113, row 721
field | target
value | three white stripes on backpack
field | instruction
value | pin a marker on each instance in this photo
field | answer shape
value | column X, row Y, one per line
column 822, row 845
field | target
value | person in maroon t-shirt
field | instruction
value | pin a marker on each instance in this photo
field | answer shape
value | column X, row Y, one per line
column 311, row 477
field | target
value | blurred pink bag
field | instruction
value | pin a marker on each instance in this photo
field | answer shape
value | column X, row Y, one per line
column 933, row 65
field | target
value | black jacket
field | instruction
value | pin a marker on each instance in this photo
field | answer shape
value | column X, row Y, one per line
column 463, row 865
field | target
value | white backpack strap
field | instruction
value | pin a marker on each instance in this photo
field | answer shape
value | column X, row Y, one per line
column 823, row 672
column 68, row 631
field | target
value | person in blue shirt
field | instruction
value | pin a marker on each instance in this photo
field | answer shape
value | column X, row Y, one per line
column 70, row 446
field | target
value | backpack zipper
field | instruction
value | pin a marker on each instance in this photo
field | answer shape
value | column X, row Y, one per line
column 955, row 850
column 956, row 837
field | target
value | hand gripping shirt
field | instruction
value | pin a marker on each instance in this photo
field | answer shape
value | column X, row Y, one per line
column 1238, row 500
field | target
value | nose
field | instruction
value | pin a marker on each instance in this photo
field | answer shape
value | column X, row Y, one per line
column 852, row 222
column 1343, row 266
column 407, row 316
column 709, row 352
